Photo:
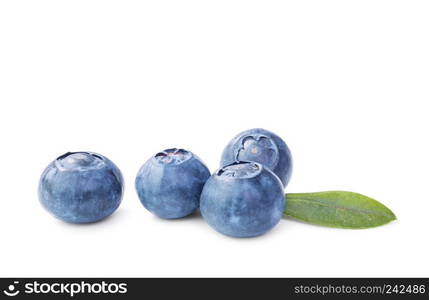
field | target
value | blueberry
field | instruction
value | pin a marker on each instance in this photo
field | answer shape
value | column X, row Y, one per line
column 81, row 187
column 169, row 184
column 261, row 146
column 243, row 199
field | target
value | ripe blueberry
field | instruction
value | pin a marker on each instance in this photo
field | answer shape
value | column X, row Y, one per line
column 169, row 184
column 81, row 187
column 243, row 199
column 261, row 146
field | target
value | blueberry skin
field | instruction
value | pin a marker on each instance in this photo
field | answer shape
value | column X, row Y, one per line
column 169, row 184
column 243, row 199
column 261, row 146
column 81, row 187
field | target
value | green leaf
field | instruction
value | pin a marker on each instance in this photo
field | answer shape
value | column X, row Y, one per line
column 338, row 209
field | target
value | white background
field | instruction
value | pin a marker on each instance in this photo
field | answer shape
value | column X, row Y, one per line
column 345, row 83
